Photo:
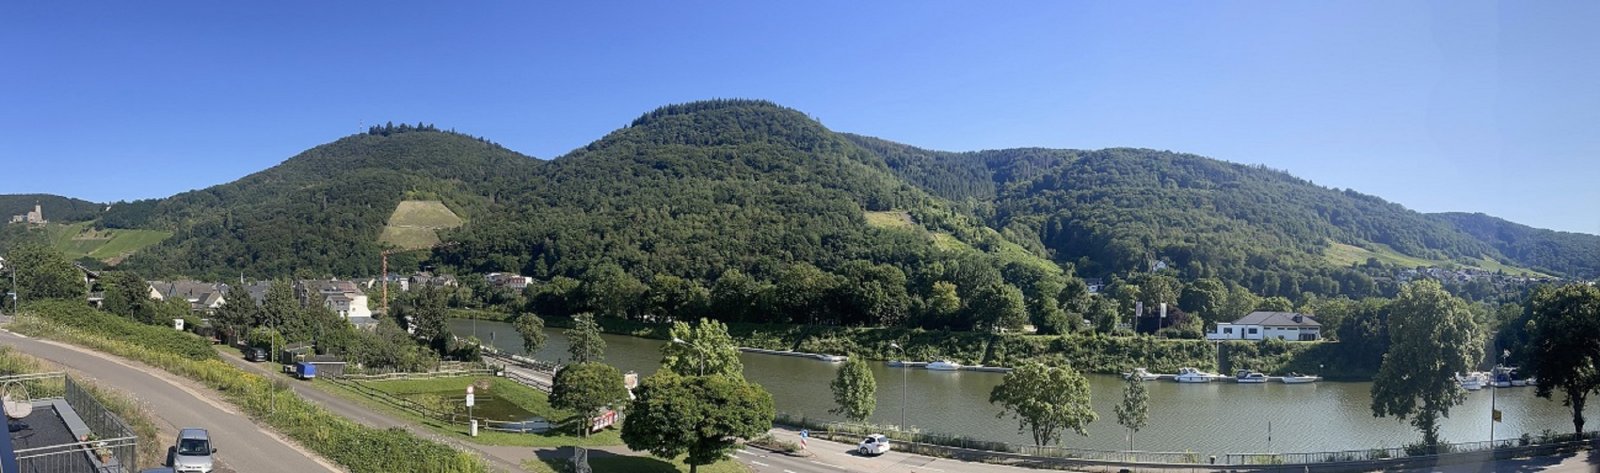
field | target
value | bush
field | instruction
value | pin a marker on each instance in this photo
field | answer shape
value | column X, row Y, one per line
column 356, row 447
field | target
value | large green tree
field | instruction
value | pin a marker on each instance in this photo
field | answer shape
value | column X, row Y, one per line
column 855, row 390
column 1433, row 337
column 238, row 311
column 583, row 340
column 999, row 308
column 531, row 328
column 586, row 389
column 704, row 348
column 702, row 416
column 1566, row 345
column 126, row 294
column 1134, row 410
column 1045, row 401
column 43, row 272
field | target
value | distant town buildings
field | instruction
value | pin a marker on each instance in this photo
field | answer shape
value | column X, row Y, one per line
column 35, row 217
column 508, row 281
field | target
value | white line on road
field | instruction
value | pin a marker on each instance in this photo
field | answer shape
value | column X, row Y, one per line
column 758, row 463
column 788, row 471
column 827, row 464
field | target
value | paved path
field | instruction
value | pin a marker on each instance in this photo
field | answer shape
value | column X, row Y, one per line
column 242, row 445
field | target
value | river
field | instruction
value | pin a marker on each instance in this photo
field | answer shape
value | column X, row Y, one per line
column 1209, row 419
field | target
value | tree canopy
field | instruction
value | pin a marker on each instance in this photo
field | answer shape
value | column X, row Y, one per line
column 1045, row 401
column 1433, row 337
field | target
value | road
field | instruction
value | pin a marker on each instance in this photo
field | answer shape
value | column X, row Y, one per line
column 242, row 445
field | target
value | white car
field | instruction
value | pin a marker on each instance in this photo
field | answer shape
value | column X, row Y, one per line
column 875, row 444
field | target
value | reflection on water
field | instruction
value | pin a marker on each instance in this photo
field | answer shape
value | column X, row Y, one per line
column 1205, row 418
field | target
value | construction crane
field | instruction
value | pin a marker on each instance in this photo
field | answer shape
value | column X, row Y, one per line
column 385, row 274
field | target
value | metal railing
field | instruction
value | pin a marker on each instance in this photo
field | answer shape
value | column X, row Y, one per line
column 113, row 447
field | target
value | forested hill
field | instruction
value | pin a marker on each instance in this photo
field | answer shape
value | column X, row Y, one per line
column 1576, row 254
column 56, row 208
column 320, row 212
column 1119, row 210
column 743, row 195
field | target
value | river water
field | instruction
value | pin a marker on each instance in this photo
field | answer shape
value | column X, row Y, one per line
column 1209, row 419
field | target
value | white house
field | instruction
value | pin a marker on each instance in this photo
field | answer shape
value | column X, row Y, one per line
column 1262, row 325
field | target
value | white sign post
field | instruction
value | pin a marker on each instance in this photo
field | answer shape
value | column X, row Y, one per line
column 474, row 422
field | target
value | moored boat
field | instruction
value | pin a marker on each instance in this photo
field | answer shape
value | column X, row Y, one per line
column 944, row 365
column 1142, row 374
column 1472, row 381
column 1249, row 377
column 1297, row 378
column 1191, row 375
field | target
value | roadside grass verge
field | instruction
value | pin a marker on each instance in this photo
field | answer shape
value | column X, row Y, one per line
column 355, row 447
column 152, row 449
column 459, row 431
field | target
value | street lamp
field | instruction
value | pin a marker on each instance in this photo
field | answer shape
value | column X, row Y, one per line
column 697, row 348
column 904, row 373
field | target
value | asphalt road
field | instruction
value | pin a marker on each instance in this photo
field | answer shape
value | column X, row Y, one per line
column 242, row 445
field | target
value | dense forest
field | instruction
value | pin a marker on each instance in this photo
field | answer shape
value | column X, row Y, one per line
column 756, row 212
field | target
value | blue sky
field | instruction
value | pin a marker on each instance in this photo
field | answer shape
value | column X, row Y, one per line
column 1464, row 106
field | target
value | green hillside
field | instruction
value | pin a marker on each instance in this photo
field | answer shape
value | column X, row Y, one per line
column 322, row 212
column 80, row 240
column 755, row 212
column 1575, row 254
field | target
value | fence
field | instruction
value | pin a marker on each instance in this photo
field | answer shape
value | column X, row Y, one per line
column 1502, row 448
column 413, row 375
column 113, row 449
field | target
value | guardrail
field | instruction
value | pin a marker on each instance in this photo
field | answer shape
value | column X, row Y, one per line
column 115, row 449
column 413, row 375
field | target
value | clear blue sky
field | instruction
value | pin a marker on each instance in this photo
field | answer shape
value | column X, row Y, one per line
column 1438, row 106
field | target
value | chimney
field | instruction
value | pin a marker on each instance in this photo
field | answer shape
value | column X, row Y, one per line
column 1299, row 318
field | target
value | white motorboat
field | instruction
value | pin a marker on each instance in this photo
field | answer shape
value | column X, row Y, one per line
column 1249, row 377
column 1297, row 378
column 1531, row 381
column 1142, row 375
column 944, row 365
column 1191, row 375
column 1519, row 382
column 1472, row 381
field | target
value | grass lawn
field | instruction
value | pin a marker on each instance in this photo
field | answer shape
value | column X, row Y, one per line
column 606, row 462
column 525, row 398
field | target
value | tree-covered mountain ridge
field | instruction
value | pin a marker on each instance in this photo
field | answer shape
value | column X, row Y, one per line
column 696, row 189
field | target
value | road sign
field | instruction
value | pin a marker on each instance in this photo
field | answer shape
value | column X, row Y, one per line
column 804, row 433
column 469, row 396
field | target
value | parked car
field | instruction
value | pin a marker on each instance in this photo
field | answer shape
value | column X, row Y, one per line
column 875, row 444
column 193, row 452
column 255, row 354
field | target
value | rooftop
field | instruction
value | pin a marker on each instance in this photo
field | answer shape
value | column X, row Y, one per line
column 1277, row 319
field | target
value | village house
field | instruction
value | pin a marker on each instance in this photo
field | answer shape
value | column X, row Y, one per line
column 1261, row 325
column 426, row 279
column 508, row 281
column 342, row 297
column 203, row 297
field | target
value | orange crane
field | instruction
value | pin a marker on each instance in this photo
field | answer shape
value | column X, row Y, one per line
column 385, row 275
